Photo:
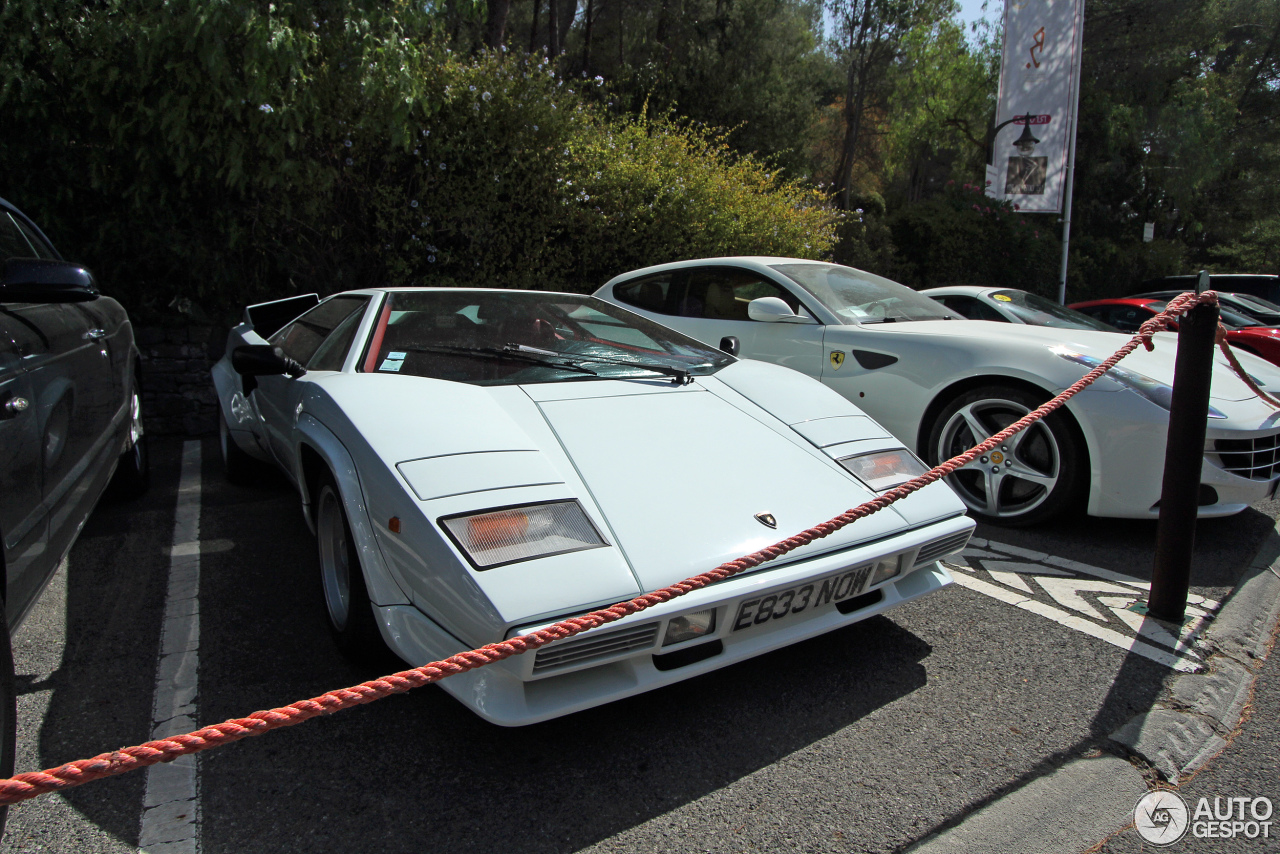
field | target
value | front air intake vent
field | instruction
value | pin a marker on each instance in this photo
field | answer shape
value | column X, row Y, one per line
column 930, row 552
column 1256, row 459
column 595, row 646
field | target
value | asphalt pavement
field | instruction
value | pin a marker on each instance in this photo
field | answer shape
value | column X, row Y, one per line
column 885, row 735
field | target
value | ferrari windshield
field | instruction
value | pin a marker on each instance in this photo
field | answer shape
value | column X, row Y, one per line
column 507, row 337
column 858, row 297
column 1038, row 311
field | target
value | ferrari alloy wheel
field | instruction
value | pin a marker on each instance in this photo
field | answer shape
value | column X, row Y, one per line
column 346, row 599
column 1036, row 474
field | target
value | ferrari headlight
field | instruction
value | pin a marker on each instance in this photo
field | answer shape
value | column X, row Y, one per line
column 512, row 534
column 883, row 470
column 1155, row 391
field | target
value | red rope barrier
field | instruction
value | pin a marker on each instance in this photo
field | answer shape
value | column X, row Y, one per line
column 29, row 785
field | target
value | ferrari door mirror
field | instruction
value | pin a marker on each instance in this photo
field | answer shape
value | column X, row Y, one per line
column 46, row 281
column 772, row 310
column 264, row 360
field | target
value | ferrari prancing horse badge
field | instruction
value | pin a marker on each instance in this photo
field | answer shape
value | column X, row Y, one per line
column 837, row 359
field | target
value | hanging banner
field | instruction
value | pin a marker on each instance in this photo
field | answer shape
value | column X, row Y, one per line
column 1041, row 51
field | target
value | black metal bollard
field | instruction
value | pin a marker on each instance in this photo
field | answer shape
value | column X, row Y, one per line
column 1183, row 456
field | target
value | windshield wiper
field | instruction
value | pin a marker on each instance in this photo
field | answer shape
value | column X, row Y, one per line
column 679, row 376
column 504, row 354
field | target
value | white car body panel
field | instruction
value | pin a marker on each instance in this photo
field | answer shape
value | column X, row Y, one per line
column 1124, row 431
column 670, row 475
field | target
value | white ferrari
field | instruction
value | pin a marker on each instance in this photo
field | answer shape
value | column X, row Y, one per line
column 942, row 384
column 478, row 464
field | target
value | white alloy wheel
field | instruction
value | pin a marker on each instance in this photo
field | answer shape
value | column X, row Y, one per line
column 346, row 598
column 335, row 557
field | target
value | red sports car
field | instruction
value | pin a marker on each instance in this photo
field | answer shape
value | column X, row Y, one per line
column 1242, row 332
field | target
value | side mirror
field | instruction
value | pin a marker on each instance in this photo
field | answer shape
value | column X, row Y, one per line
column 264, row 360
column 772, row 310
column 730, row 345
column 47, row 281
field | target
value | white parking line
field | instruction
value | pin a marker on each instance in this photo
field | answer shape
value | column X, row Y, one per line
column 1119, row 617
column 171, row 809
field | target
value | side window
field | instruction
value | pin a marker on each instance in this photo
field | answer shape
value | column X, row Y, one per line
column 302, row 338
column 650, row 293
column 17, row 241
column 979, row 310
column 722, row 293
column 333, row 352
column 38, row 244
column 962, row 306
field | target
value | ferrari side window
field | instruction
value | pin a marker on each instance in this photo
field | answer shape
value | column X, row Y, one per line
column 650, row 293
column 723, row 293
column 302, row 338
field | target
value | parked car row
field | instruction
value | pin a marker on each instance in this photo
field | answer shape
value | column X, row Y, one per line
column 477, row 464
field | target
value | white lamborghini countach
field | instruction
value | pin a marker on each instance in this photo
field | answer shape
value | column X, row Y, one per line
column 477, row 464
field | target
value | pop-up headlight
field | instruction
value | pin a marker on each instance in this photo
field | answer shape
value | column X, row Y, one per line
column 883, row 470
column 498, row 537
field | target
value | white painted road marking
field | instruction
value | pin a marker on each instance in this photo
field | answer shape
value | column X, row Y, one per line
column 1113, row 619
column 171, row 810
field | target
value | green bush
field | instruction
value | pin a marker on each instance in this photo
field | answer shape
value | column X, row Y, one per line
column 963, row 237
column 217, row 153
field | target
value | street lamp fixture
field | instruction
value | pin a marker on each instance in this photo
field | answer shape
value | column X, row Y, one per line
column 1027, row 142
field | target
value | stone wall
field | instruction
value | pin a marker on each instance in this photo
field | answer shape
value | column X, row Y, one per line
column 177, row 389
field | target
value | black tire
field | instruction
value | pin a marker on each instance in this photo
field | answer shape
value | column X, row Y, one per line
column 8, row 709
column 133, row 470
column 240, row 468
column 1036, row 475
column 342, row 587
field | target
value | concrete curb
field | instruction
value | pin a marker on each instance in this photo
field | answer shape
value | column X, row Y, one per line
column 1180, row 734
column 1087, row 800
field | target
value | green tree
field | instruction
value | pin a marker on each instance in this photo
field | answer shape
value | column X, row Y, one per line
column 869, row 36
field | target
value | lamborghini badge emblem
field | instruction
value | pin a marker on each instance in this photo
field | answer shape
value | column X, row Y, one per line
column 767, row 520
column 837, row 359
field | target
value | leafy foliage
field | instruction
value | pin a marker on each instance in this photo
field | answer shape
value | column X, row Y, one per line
column 962, row 237
column 220, row 153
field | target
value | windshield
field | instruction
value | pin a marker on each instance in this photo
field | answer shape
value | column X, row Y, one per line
column 858, row 297
column 1038, row 311
column 509, row 337
column 1256, row 303
column 1230, row 319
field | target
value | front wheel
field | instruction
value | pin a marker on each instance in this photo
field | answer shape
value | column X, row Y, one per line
column 346, row 598
column 1038, row 473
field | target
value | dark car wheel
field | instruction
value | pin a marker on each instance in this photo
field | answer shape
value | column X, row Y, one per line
column 8, row 709
column 346, row 598
column 239, row 467
column 133, row 471
column 1037, row 474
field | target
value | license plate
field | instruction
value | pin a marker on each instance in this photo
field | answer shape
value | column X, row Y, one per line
column 797, row 600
